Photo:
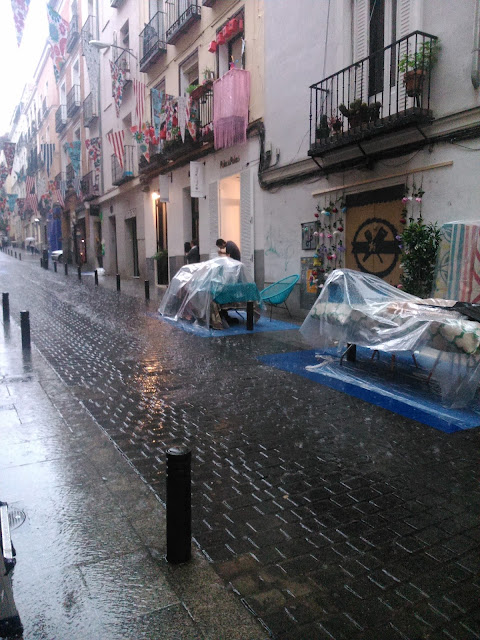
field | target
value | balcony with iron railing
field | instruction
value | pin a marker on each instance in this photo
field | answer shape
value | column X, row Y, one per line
column 90, row 186
column 152, row 41
column 127, row 172
column 115, row 3
column 90, row 110
column 69, row 175
column 73, row 100
column 73, row 33
column 123, row 62
column 60, row 118
column 385, row 92
column 181, row 14
column 89, row 30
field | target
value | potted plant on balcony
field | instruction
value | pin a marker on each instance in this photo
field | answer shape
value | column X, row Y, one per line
column 322, row 131
column 415, row 64
column 360, row 112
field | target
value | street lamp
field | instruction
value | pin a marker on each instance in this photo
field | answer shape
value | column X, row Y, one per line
column 98, row 44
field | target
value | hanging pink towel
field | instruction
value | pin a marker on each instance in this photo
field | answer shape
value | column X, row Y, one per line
column 231, row 95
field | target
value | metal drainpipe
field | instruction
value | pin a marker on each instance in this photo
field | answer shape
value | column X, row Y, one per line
column 476, row 48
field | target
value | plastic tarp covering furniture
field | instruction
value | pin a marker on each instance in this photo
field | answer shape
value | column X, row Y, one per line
column 197, row 288
column 361, row 309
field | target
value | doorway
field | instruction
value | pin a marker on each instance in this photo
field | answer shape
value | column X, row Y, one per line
column 80, row 245
column 229, row 213
column 162, row 246
column 371, row 230
column 113, row 243
column 131, row 224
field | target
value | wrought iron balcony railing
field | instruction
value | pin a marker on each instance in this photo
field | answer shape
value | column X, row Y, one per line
column 60, row 118
column 123, row 61
column 127, row 172
column 90, row 109
column 89, row 185
column 73, row 33
column 181, row 14
column 73, row 100
column 152, row 41
column 89, row 30
column 202, row 102
column 387, row 90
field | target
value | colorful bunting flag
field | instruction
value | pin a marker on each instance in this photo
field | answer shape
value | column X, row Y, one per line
column 11, row 199
column 20, row 11
column 4, row 171
column 116, row 139
column 139, row 92
column 47, row 155
column 73, row 150
column 58, row 32
column 9, row 151
column 118, row 82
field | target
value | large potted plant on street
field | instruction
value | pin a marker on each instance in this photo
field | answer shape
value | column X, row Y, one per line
column 419, row 244
column 414, row 64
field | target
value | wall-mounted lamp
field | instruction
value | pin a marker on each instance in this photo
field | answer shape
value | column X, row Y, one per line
column 98, row 44
column 155, row 195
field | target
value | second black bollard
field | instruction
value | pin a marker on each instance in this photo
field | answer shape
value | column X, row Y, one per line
column 25, row 328
column 66, row 269
column 179, row 505
column 79, row 271
column 250, row 316
column 147, row 289
column 55, row 267
column 6, row 307
column 19, row 256
column 96, row 277
column 118, row 282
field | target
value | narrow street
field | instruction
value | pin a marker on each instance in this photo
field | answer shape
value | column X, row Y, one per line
column 327, row 516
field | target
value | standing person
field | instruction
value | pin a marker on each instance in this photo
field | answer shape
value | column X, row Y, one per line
column 230, row 248
column 193, row 255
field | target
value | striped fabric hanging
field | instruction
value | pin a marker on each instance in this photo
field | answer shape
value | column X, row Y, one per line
column 116, row 139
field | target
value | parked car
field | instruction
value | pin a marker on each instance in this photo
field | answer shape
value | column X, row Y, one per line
column 57, row 256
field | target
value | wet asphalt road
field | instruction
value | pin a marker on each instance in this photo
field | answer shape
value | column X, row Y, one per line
column 330, row 518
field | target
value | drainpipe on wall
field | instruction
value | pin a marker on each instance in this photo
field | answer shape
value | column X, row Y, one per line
column 476, row 48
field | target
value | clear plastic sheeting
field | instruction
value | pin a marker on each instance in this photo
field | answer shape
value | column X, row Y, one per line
column 361, row 309
column 198, row 290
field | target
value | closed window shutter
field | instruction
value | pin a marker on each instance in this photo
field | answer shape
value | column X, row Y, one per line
column 246, row 220
column 359, row 75
column 213, row 217
column 404, row 22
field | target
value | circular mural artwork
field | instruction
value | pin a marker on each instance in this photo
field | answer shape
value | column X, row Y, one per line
column 375, row 247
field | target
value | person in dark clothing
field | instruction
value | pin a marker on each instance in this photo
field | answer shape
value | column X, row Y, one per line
column 230, row 249
column 193, row 255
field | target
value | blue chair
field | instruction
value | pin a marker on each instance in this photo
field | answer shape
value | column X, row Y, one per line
column 277, row 293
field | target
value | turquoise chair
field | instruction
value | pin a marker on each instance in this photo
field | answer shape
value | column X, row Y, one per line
column 277, row 293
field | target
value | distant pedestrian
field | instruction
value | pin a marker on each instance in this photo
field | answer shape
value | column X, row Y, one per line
column 193, row 255
column 229, row 248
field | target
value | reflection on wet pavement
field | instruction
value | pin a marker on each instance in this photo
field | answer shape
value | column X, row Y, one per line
column 328, row 517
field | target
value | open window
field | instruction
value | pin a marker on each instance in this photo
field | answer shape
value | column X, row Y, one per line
column 231, row 44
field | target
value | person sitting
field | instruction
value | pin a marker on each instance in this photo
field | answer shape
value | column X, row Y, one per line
column 193, row 254
column 228, row 248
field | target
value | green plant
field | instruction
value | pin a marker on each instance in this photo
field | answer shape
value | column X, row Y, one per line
column 160, row 255
column 322, row 130
column 419, row 243
column 190, row 88
column 422, row 59
column 208, row 74
column 361, row 111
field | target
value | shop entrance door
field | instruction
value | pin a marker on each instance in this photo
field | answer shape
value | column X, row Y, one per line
column 132, row 236
column 162, row 246
column 372, row 224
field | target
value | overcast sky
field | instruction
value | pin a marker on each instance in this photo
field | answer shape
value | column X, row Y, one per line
column 17, row 65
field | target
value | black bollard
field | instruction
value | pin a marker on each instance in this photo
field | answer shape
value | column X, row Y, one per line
column 79, row 271
column 25, row 328
column 96, row 277
column 41, row 262
column 249, row 316
column 19, row 256
column 55, row 267
column 6, row 307
column 66, row 269
column 118, row 282
column 15, row 254
column 147, row 289
column 179, row 505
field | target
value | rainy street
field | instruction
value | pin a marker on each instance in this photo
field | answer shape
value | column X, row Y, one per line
column 328, row 517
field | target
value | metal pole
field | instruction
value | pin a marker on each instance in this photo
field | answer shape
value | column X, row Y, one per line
column 96, row 277
column 250, row 316
column 15, row 254
column 147, row 289
column 25, row 328
column 55, row 267
column 66, row 269
column 6, row 307
column 179, row 505
column 19, row 256
column 79, row 271
column 118, row 282
column 41, row 262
